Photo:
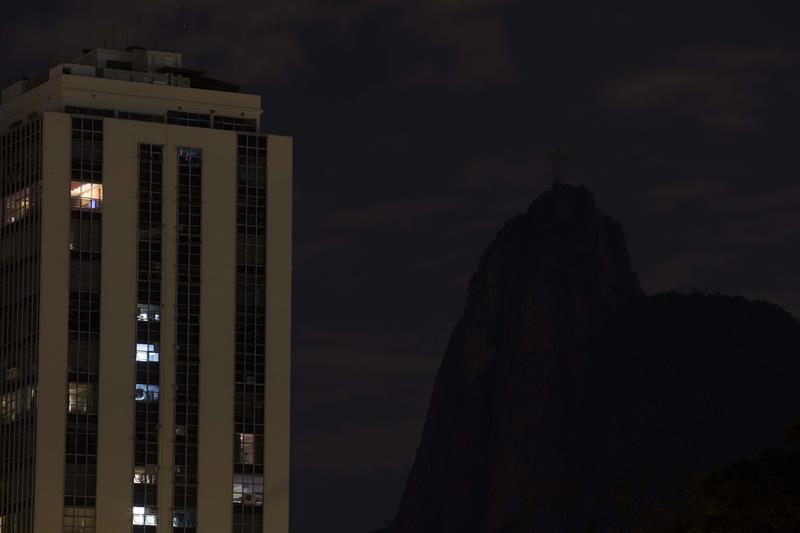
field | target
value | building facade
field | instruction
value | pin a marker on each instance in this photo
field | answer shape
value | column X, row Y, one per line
column 145, row 302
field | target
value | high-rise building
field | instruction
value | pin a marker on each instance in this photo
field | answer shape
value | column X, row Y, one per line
column 145, row 302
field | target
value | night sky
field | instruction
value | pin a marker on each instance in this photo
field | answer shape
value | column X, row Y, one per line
column 419, row 128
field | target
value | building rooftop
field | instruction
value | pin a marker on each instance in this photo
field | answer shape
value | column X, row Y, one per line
column 135, row 64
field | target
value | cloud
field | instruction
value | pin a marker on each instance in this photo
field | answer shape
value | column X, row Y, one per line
column 256, row 42
column 719, row 88
column 399, row 365
column 740, row 217
column 381, row 396
column 670, row 196
column 687, row 270
column 477, row 54
column 735, row 240
column 402, row 214
column 307, row 251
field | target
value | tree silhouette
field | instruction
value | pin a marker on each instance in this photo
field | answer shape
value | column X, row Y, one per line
column 760, row 496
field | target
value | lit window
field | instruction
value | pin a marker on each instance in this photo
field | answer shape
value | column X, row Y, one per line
column 15, row 205
column 144, row 516
column 248, row 489
column 183, row 518
column 148, row 312
column 142, row 476
column 146, row 393
column 82, row 398
column 146, row 352
column 86, row 195
column 248, row 449
column 17, row 403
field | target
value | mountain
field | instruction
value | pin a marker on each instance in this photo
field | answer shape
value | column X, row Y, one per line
column 567, row 399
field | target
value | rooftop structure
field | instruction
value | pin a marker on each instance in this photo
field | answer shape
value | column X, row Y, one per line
column 134, row 83
column 135, row 64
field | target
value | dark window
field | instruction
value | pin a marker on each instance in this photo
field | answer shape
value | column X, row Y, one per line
column 187, row 339
column 119, row 65
column 222, row 122
column 181, row 118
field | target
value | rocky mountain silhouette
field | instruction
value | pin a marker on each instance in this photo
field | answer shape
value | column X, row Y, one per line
column 568, row 400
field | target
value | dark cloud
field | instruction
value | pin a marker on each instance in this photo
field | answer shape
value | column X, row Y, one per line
column 379, row 398
column 399, row 214
column 739, row 241
column 256, row 42
column 670, row 196
column 720, row 88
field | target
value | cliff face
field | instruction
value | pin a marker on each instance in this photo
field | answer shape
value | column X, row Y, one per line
column 564, row 390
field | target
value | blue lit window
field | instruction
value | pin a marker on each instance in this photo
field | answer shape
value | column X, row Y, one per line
column 146, row 392
column 147, row 352
column 181, row 518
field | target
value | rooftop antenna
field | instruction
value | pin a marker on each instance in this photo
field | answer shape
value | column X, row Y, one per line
column 556, row 157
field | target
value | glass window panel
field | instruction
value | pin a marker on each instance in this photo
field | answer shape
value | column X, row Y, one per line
column 148, row 312
column 82, row 398
column 248, row 489
column 86, row 195
column 16, row 204
column 147, row 352
column 146, row 393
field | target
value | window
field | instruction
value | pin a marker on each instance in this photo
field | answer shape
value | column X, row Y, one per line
column 82, row 398
column 146, row 392
column 148, row 312
column 75, row 110
column 144, row 516
column 84, row 275
column 84, row 235
column 15, row 205
column 146, row 117
column 142, row 476
column 16, row 403
column 120, row 65
column 183, row 518
column 234, row 123
column 146, row 352
column 248, row 448
column 86, row 195
column 78, row 519
column 189, row 119
column 248, row 489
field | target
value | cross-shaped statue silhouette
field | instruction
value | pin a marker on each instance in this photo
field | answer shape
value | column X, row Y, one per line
column 556, row 156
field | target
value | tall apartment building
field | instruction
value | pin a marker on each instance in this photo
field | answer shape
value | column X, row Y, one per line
column 145, row 302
